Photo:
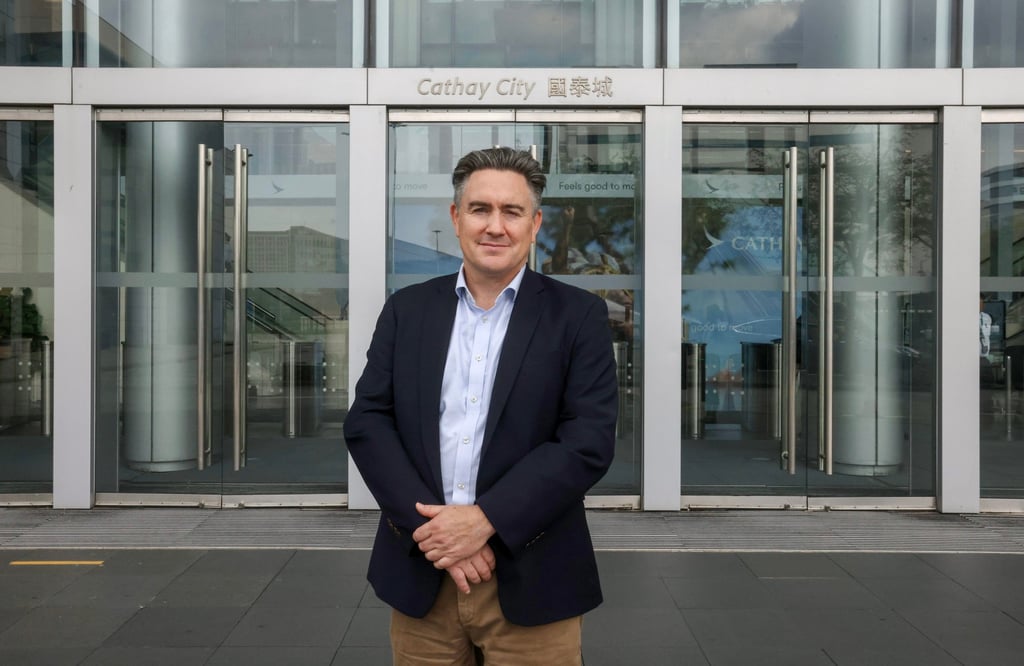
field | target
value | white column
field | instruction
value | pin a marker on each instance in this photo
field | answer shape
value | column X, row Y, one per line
column 662, row 319
column 73, row 306
column 959, row 287
column 367, row 253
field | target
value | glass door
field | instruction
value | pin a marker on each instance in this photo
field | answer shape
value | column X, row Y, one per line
column 589, row 233
column 808, row 306
column 222, row 305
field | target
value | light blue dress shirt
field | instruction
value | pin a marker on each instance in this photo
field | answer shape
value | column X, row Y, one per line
column 473, row 353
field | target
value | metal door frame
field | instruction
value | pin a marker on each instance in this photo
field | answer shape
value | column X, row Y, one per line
column 219, row 500
column 808, row 118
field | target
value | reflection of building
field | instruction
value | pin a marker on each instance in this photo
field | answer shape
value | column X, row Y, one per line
column 297, row 249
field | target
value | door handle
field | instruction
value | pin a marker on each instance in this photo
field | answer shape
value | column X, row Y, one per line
column 826, row 164
column 204, row 452
column 240, row 377
column 789, row 266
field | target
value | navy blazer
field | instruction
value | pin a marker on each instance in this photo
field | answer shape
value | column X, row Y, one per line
column 549, row 437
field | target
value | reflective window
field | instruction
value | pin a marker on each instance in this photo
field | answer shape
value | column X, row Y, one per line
column 26, row 306
column 1001, row 311
column 217, row 33
column 516, row 33
column 814, row 33
column 588, row 237
column 998, row 33
column 31, row 33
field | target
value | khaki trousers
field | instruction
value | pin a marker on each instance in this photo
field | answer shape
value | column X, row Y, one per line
column 460, row 627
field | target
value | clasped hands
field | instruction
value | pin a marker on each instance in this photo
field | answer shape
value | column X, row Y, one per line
column 455, row 539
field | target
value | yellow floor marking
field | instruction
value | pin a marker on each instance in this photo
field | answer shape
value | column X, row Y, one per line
column 56, row 563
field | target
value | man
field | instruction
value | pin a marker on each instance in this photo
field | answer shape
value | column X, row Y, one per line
column 486, row 411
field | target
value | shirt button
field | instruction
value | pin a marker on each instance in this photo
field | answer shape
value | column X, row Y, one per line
column 465, row 440
column 473, row 399
column 479, row 358
column 462, row 486
column 485, row 318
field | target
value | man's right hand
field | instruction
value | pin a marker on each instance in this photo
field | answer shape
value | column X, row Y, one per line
column 475, row 569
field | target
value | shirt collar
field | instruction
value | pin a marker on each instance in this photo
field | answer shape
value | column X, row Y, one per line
column 512, row 288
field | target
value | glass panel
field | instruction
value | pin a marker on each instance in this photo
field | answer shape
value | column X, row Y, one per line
column 26, row 306
column 815, row 33
column 732, row 308
column 147, row 309
column 217, row 33
column 884, row 312
column 998, row 33
column 31, row 33
column 1001, row 326
column 589, row 235
column 297, row 304
column 517, row 33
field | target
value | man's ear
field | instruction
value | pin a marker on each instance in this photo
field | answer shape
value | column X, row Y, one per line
column 537, row 217
column 453, row 211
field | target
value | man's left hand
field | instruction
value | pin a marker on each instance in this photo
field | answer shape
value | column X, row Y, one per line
column 453, row 533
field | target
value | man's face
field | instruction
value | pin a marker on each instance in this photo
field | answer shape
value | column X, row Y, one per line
column 496, row 223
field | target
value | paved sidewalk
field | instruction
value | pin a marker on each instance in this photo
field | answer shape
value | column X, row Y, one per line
column 853, row 601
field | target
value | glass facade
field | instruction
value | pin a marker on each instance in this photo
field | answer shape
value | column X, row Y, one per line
column 216, row 33
column 26, row 306
column 33, row 33
column 517, row 33
column 998, row 33
column 588, row 237
column 800, row 239
column 816, row 33
column 222, row 350
column 861, row 405
column 1001, row 312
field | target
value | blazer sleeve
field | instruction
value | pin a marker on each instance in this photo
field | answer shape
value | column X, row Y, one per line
column 374, row 440
column 557, row 473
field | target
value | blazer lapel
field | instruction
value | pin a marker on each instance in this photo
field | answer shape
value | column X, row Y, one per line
column 521, row 327
column 438, row 320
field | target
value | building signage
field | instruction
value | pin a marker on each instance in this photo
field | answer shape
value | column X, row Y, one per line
column 461, row 87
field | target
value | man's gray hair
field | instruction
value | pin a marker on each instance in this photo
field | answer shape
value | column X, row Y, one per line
column 501, row 159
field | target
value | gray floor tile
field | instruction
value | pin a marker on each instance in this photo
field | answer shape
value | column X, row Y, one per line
column 150, row 656
column 769, row 655
column 821, row 593
column 150, row 561
column 792, row 565
column 886, row 565
column 371, row 600
column 369, row 628
column 177, row 627
column 636, row 626
column 746, row 592
column 1006, row 594
column 858, row 635
column 724, row 629
column 963, row 632
column 925, row 593
column 43, row 656
column 362, row 656
column 971, row 568
column 676, row 565
column 329, row 562
column 311, row 590
column 190, row 590
column 898, row 655
column 612, row 655
column 241, row 562
column 110, row 591
column 65, row 627
column 274, row 656
column 26, row 591
column 291, row 627
column 9, row 616
column 636, row 592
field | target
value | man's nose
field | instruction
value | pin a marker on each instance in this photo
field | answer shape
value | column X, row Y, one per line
column 494, row 225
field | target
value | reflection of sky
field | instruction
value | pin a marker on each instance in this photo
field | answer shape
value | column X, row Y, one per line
column 750, row 244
